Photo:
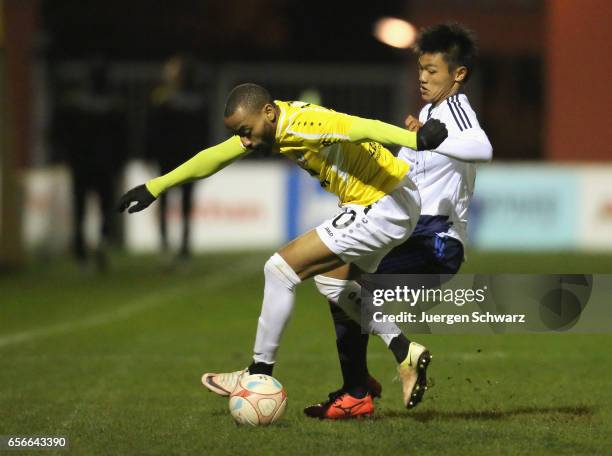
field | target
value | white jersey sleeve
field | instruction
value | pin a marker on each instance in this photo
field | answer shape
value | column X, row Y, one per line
column 468, row 142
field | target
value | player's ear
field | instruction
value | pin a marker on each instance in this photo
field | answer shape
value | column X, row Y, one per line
column 270, row 112
column 460, row 74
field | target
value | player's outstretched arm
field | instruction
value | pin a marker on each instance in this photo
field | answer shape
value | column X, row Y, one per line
column 429, row 136
column 204, row 164
column 463, row 144
column 470, row 146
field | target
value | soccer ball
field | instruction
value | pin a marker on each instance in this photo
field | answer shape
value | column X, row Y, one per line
column 258, row 400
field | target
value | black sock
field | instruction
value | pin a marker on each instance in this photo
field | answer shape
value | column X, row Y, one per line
column 399, row 346
column 358, row 392
column 260, row 368
column 352, row 350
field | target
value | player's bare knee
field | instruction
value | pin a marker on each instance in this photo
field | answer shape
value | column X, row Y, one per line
column 277, row 269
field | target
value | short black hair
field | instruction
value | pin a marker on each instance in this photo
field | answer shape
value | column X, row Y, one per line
column 454, row 41
column 249, row 96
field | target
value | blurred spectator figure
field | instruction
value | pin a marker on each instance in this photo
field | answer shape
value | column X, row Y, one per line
column 177, row 129
column 311, row 95
column 89, row 130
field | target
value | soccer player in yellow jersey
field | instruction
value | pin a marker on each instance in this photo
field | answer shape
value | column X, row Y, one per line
column 380, row 204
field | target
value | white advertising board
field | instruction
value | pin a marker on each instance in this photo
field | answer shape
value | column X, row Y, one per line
column 241, row 207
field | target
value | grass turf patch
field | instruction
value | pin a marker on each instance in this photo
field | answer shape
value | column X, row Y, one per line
column 113, row 362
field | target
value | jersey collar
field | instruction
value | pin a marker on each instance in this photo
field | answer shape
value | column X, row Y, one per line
column 281, row 118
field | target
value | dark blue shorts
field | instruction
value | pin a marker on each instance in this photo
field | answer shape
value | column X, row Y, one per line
column 424, row 254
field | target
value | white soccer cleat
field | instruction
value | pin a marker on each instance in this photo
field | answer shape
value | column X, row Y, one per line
column 223, row 384
column 413, row 374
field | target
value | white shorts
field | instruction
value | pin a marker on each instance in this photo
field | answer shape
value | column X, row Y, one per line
column 364, row 235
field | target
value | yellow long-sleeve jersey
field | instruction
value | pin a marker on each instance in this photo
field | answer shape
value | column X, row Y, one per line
column 343, row 152
column 319, row 141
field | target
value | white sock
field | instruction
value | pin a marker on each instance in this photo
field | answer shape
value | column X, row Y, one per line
column 279, row 296
column 347, row 295
column 387, row 338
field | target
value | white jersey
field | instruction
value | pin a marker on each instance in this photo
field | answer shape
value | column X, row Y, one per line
column 445, row 176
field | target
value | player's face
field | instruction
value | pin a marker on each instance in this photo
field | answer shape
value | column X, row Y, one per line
column 256, row 128
column 436, row 81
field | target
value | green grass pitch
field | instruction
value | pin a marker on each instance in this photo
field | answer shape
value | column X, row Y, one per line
column 114, row 362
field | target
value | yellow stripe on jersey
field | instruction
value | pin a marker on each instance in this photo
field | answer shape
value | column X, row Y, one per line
column 326, row 144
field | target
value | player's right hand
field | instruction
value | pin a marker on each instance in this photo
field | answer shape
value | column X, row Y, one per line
column 139, row 195
column 431, row 135
column 412, row 123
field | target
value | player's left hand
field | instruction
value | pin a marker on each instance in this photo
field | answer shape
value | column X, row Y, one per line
column 431, row 135
column 139, row 195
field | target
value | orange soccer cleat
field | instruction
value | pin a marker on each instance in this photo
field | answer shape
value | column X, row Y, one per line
column 340, row 406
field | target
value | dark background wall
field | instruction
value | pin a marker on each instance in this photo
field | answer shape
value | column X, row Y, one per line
column 543, row 68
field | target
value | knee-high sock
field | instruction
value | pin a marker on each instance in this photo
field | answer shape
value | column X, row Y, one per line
column 350, row 342
column 350, row 301
column 352, row 346
column 347, row 296
column 279, row 296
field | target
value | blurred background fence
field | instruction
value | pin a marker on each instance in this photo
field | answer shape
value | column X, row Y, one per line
column 540, row 90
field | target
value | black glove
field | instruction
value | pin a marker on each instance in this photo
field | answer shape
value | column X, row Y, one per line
column 140, row 195
column 431, row 135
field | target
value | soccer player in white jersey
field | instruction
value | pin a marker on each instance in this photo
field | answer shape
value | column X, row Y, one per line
column 445, row 179
column 380, row 205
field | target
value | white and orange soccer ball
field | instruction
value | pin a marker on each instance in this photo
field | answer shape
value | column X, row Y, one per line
column 258, row 400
